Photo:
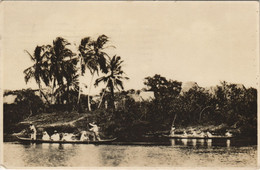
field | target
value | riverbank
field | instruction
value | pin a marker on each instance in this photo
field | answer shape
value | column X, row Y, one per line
column 73, row 122
column 68, row 122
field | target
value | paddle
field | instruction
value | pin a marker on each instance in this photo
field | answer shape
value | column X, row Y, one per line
column 174, row 119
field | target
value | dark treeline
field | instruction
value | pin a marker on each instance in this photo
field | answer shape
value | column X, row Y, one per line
column 229, row 104
column 57, row 69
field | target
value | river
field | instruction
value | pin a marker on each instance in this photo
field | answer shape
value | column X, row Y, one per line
column 180, row 153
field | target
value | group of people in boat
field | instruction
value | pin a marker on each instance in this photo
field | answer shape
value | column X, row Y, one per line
column 194, row 133
column 92, row 134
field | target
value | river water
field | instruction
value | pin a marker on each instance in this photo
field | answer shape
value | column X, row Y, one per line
column 179, row 153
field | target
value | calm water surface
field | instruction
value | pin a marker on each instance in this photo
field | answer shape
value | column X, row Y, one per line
column 181, row 153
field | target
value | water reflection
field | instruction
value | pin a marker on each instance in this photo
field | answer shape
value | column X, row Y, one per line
column 228, row 143
column 184, row 141
column 194, row 142
column 181, row 153
column 201, row 142
column 173, row 142
column 209, row 142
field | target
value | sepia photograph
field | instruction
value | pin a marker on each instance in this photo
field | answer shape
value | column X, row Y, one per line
column 129, row 84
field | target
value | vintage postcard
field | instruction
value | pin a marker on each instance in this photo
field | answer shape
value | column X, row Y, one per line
column 129, row 84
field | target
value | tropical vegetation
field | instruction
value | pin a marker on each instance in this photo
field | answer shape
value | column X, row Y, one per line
column 57, row 70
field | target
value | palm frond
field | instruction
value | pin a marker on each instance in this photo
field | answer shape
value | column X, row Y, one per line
column 29, row 73
column 119, row 83
column 101, row 79
column 32, row 58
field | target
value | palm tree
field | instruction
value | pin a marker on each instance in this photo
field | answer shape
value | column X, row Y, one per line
column 63, row 64
column 40, row 69
column 113, row 78
column 84, row 49
column 93, row 58
column 62, row 92
column 70, row 74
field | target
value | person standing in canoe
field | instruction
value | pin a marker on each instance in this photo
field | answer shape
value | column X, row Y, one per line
column 95, row 129
column 33, row 131
column 172, row 130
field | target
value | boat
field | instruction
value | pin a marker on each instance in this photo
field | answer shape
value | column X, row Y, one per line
column 197, row 137
column 98, row 142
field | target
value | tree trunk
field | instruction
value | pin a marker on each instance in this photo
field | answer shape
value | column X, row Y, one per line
column 79, row 91
column 102, row 96
column 42, row 94
column 52, row 91
column 89, row 106
column 40, row 89
column 78, row 95
column 68, row 89
column 112, row 96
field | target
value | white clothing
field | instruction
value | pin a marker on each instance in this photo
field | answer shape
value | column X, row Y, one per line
column 84, row 136
column 94, row 127
column 45, row 136
column 228, row 134
column 55, row 137
column 68, row 137
column 95, row 130
column 33, row 132
column 172, row 131
column 209, row 134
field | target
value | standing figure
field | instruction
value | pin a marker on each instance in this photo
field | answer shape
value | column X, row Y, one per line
column 95, row 129
column 185, row 133
column 172, row 131
column 33, row 131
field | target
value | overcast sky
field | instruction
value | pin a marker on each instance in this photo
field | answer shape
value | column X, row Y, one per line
column 205, row 42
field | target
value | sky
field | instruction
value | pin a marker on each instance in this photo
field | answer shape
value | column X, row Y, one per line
column 206, row 42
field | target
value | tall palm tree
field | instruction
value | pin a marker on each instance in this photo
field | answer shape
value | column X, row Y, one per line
column 63, row 64
column 70, row 74
column 93, row 58
column 84, row 50
column 114, row 77
column 40, row 69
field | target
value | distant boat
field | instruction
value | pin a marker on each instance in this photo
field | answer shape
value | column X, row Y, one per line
column 28, row 140
column 197, row 137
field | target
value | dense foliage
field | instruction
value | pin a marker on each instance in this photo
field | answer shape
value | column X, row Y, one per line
column 56, row 69
column 26, row 104
column 229, row 104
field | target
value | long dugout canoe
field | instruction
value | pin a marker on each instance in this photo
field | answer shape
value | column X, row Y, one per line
column 196, row 137
column 28, row 140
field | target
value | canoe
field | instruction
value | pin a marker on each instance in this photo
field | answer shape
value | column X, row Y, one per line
column 28, row 140
column 197, row 137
